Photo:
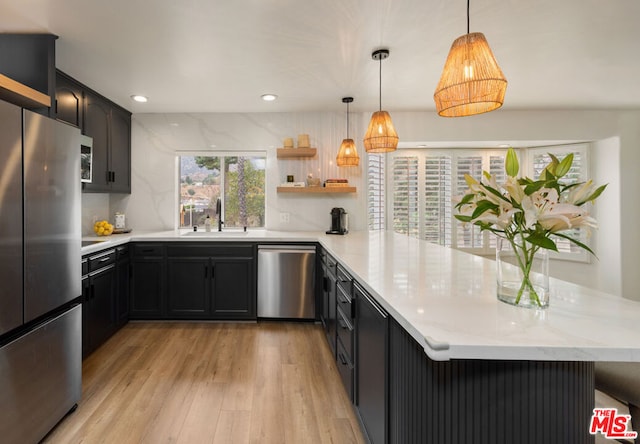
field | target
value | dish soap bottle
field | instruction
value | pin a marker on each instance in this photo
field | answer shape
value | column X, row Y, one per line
column 207, row 224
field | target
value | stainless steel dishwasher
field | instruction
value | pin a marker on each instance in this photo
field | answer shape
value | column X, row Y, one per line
column 286, row 281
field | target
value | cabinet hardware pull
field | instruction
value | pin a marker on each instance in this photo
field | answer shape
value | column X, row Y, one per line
column 105, row 259
column 342, row 359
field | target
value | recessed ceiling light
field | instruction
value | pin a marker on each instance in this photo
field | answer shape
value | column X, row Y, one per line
column 269, row 97
column 504, row 145
column 137, row 98
column 422, row 145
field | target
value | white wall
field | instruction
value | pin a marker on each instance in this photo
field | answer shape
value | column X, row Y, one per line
column 156, row 138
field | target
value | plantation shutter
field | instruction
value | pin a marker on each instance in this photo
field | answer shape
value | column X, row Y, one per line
column 437, row 199
column 467, row 235
column 405, row 195
column 577, row 173
column 375, row 191
column 496, row 169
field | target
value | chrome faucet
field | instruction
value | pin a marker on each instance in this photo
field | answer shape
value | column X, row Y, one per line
column 219, row 213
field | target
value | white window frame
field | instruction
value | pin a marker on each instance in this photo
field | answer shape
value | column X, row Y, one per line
column 223, row 155
column 525, row 156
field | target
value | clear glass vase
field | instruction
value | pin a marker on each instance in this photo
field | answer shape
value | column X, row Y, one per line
column 522, row 274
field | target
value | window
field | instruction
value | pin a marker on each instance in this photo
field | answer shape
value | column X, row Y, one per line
column 539, row 158
column 237, row 180
column 422, row 184
column 375, row 191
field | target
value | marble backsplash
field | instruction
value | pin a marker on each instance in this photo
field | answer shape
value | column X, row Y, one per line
column 158, row 140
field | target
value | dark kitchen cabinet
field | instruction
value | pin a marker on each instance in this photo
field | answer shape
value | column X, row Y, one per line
column 69, row 100
column 98, row 304
column 120, row 150
column 372, row 343
column 345, row 329
column 31, row 60
column 110, row 129
column 234, row 293
column 147, row 282
column 329, row 316
column 188, row 287
column 211, row 281
column 107, row 124
column 123, row 282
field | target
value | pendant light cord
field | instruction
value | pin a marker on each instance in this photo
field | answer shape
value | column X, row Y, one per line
column 380, row 82
column 468, row 16
column 347, row 120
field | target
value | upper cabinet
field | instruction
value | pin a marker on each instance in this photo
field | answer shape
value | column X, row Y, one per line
column 107, row 124
column 69, row 100
column 27, row 70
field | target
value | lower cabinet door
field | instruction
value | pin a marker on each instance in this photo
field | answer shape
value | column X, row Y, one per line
column 372, row 363
column 234, row 292
column 101, row 313
column 147, row 289
column 123, row 269
column 345, row 368
column 188, row 293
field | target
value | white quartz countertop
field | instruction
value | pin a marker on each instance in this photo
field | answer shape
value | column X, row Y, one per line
column 446, row 299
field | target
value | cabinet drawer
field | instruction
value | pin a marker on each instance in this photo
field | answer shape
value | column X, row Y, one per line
column 345, row 333
column 331, row 263
column 148, row 250
column 345, row 302
column 122, row 251
column 345, row 368
column 211, row 250
column 102, row 260
column 344, row 278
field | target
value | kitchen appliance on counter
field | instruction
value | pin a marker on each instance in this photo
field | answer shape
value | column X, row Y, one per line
column 40, row 235
column 286, row 281
column 339, row 221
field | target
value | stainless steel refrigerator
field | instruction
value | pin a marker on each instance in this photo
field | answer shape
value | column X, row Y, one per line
column 40, row 274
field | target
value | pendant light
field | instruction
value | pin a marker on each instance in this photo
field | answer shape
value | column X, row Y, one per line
column 347, row 155
column 471, row 82
column 381, row 136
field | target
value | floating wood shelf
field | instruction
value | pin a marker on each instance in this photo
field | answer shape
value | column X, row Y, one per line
column 292, row 153
column 16, row 92
column 317, row 190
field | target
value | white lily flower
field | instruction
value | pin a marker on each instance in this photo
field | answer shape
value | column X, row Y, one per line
column 515, row 190
column 578, row 194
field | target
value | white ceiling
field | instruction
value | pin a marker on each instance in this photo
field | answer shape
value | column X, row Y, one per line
column 221, row 55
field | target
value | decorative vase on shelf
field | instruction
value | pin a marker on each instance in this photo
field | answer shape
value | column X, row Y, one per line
column 522, row 274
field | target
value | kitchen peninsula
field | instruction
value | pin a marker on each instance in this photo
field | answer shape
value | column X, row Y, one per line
column 459, row 361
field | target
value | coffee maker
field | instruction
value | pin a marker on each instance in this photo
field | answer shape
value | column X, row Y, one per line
column 339, row 221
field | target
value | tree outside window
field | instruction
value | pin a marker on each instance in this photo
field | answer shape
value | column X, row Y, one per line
column 238, row 181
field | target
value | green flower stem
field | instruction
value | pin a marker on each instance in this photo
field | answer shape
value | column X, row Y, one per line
column 528, row 256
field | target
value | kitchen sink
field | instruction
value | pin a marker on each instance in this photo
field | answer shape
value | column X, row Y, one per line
column 228, row 233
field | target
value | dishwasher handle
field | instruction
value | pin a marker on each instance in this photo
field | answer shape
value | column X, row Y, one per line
column 303, row 248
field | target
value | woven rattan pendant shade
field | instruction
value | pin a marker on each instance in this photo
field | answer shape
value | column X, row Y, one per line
column 348, row 155
column 471, row 82
column 381, row 136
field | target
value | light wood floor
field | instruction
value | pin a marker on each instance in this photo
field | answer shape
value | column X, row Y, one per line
column 211, row 383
